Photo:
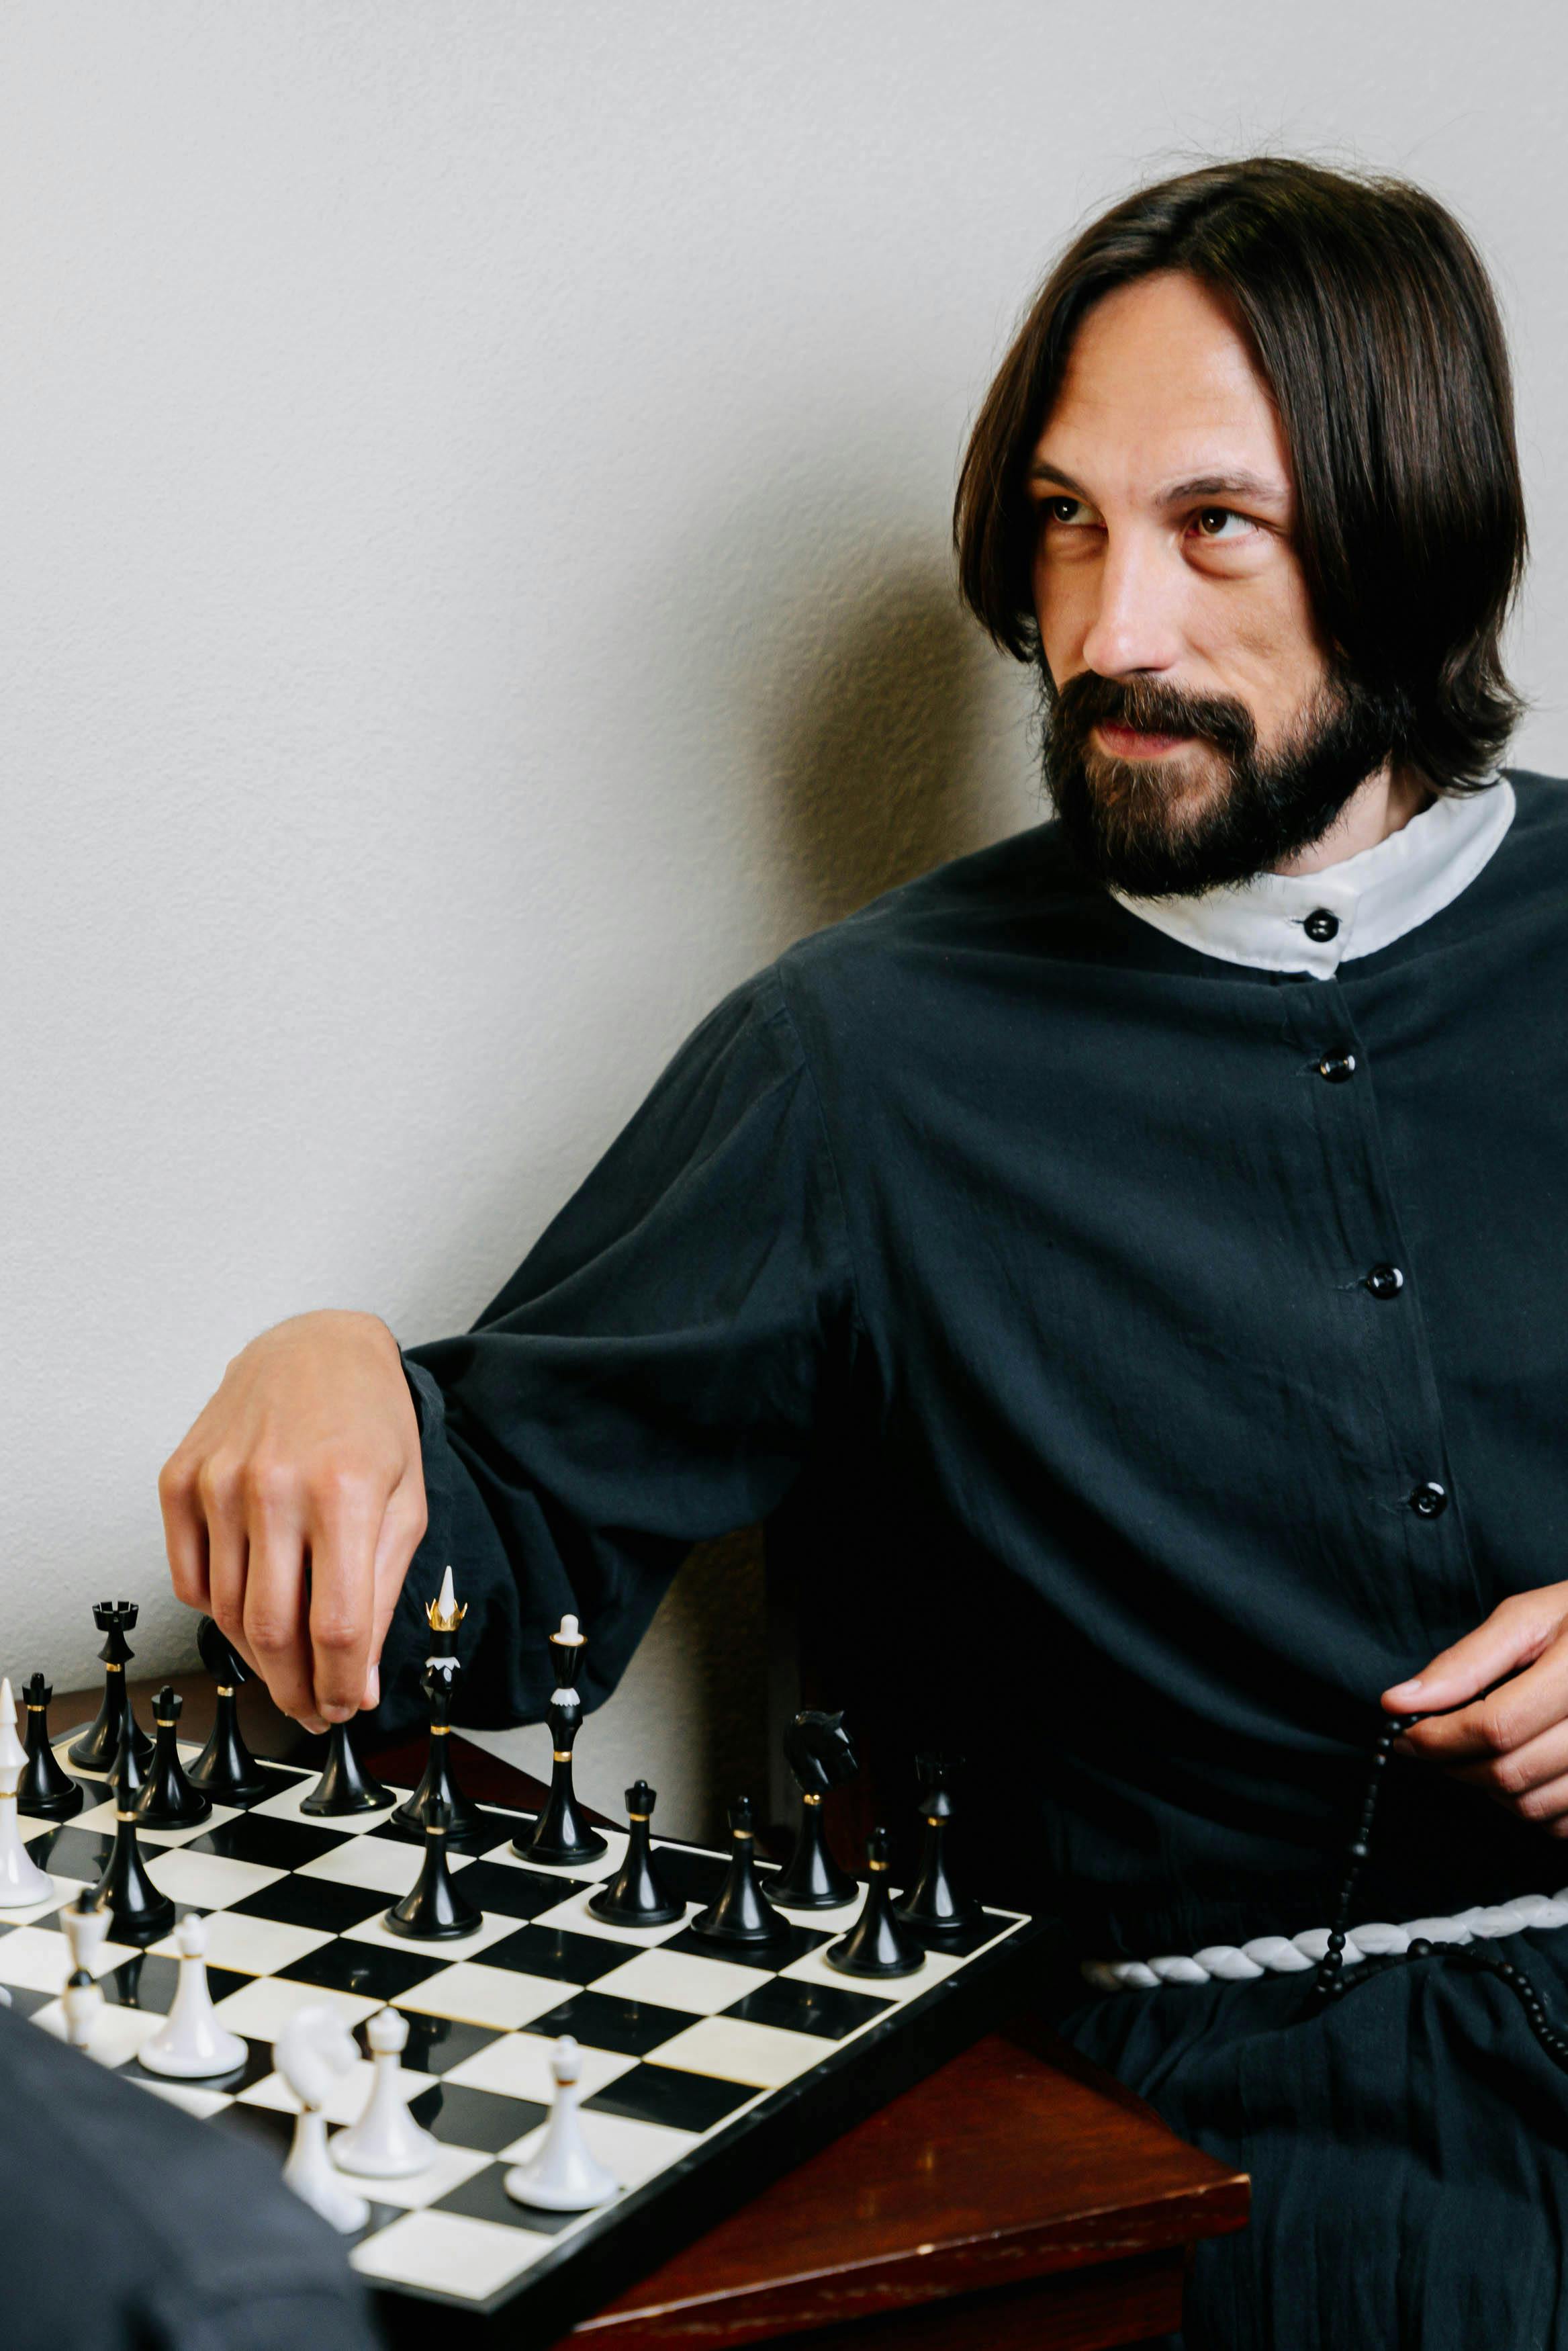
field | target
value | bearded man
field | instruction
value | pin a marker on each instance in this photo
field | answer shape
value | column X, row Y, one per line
column 1120, row 1267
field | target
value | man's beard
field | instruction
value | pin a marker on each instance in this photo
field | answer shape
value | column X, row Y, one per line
column 1156, row 829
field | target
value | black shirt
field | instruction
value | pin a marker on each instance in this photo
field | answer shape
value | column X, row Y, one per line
column 1013, row 1262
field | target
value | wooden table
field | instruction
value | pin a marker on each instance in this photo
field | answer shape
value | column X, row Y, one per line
column 1016, row 2198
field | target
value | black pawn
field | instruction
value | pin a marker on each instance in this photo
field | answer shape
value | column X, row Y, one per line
column 169, row 1800
column 44, row 1790
column 562, row 1837
column 437, row 1911
column 225, row 1768
column 140, row 1913
column 877, row 1944
column 934, row 1907
column 343, row 1786
column 818, row 1752
column 743, row 1914
column 636, row 1896
column 438, row 1786
column 97, row 1749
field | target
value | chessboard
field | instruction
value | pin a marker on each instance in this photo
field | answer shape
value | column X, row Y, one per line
column 704, row 2078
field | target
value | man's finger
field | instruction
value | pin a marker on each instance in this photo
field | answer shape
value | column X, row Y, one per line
column 274, row 1608
column 1514, row 1635
column 1506, row 1720
column 1519, row 1776
column 402, row 1531
column 344, row 1530
column 184, row 1533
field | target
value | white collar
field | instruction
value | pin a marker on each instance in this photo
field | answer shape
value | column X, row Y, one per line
column 1372, row 898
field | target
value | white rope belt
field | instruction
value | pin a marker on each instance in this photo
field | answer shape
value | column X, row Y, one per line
column 1286, row 1955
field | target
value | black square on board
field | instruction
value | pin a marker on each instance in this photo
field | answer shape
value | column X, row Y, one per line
column 515, row 1893
column 150, row 1981
column 968, row 1940
column 460, row 2116
column 485, row 2199
column 278, row 1778
column 662, row 2094
column 555, row 1952
column 797, row 2007
column 74, row 1853
column 491, row 1831
column 316, row 1902
column 793, row 1944
column 695, row 1876
column 274, row 1845
column 630, row 2027
column 363, row 1968
column 435, row 2043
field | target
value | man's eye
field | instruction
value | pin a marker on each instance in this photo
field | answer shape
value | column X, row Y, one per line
column 1214, row 521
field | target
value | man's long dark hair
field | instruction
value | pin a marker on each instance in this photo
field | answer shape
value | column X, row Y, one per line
column 1374, row 325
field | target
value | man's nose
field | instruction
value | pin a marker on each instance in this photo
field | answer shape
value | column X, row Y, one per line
column 1135, row 622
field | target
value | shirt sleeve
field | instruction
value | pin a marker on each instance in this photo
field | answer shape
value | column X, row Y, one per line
column 652, row 1375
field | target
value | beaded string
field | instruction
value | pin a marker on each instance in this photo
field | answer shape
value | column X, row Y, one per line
column 1331, row 1979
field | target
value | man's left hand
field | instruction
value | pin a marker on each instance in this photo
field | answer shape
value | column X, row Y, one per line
column 1513, row 1742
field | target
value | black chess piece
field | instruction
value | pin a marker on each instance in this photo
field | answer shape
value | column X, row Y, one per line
column 743, row 1914
column 169, row 1800
column 225, row 1768
column 934, row 1908
column 439, row 1683
column 344, row 1786
column 878, row 1944
column 44, row 1790
column 437, row 1911
column 819, row 1754
column 97, row 1749
column 636, row 1896
column 562, row 1835
column 139, row 1912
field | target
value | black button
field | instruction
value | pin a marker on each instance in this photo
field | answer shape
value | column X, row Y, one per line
column 1321, row 925
column 1337, row 1068
column 1429, row 1499
column 1384, row 1282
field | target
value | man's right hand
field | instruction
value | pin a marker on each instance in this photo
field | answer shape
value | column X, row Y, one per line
column 293, row 1505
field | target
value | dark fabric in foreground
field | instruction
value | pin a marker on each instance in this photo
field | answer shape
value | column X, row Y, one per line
column 125, row 2225
column 1408, row 2153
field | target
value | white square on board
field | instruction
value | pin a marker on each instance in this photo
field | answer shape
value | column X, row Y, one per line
column 678, row 1979
column 472, row 1994
column 448, row 2252
column 735, row 2051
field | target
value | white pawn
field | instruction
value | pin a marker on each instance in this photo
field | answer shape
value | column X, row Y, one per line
column 191, row 2043
column 561, row 2175
column 22, row 1882
column 82, row 2000
column 312, row 2050
column 385, row 2143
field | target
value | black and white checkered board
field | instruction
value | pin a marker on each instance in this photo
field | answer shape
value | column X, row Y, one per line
column 704, row 2077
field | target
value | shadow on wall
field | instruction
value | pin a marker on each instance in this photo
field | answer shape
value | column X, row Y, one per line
column 884, row 738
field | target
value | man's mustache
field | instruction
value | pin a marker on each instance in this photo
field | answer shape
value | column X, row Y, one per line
column 1148, row 708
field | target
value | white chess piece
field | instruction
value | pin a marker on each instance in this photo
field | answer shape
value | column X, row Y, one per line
column 313, row 2048
column 189, row 2042
column 22, row 1882
column 561, row 2175
column 385, row 2143
column 82, row 1998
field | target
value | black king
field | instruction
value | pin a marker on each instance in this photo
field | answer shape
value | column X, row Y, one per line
column 438, row 1682
column 562, row 1834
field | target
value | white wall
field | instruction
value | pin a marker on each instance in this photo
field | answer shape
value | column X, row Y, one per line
column 475, row 579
